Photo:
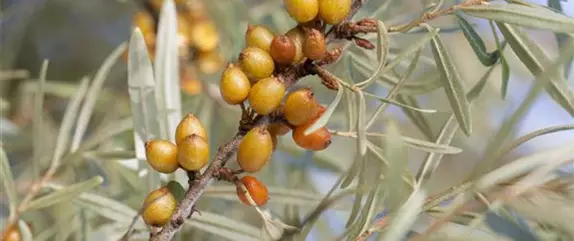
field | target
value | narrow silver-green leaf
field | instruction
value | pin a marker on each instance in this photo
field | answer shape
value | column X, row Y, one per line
column 322, row 121
column 25, row 232
column 452, row 84
column 8, row 181
column 167, row 88
column 416, row 117
column 446, row 134
column 537, row 62
column 523, row 16
column 361, row 128
column 65, row 194
column 397, row 103
column 402, row 223
column 92, row 96
column 382, row 51
column 37, row 122
column 224, row 226
column 476, row 42
column 396, row 154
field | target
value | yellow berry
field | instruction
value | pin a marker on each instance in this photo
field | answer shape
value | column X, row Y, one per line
column 187, row 126
column 193, row 153
column 144, row 21
column 302, row 10
column 279, row 129
column 256, row 63
column 259, row 37
column 256, row 189
column 188, row 80
column 297, row 35
column 209, row 62
column 334, row 11
column 255, row 149
column 203, row 35
column 161, row 155
column 300, row 106
column 12, row 233
column 314, row 45
column 266, row 95
column 283, row 50
column 234, row 85
column 159, row 205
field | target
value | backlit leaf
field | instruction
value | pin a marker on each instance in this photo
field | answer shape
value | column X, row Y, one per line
column 66, row 194
column 476, row 42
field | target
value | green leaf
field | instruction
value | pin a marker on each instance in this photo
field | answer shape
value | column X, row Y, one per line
column 416, row 117
column 446, row 134
column 25, row 232
column 106, row 207
column 92, row 96
column 322, row 121
column 8, row 181
column 383, row 50
column 224, row 226
column 176, row 189
column 532, row 135
column 38, row 121
column 402, row 223
column 396, row 154
column 537, row 62
column 361, row 128
column 523, row 16
column 65, row 194
column 397, row 103
column 505, row 76
column 476, row 42
column 453, row 85
column 166, row 70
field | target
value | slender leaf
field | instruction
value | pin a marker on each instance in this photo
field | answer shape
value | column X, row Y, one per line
column 361, row 128
column 453, row 85
column 416, row 117
column 92, row 96
column 143, row 103
column 397, row 103
column 65, row 194
column 537, row 62
column 108, row 208
column 446, row 134
column 561, row 39
column 532, row 135
column 402, row 223
column 396, row 154
column 37, row 122
column 383, row 50
column 25, row 232
column 224, row 226
column 167, row 89
column 8, row 181
column 322, row 121
column 414, row 143
column 523, row 16
column 504, row 227
column 476, row 42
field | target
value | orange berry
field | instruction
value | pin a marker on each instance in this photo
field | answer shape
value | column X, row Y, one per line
column 209, row 62
column 316, row 141
column 314, row 45
column 256, row 63
column 234, row 85
column 159, row 206
column 266, row 95
column 300, row 106
column 302, row 10
column 278, row 129
column 297, row 35
column 187, row 126
column 283, row 50
column 12, row 233
column 161, row 155
column 259, row 37
column 203, row 35
column 193, row 153
column 256, row 189
column 255, row 149
column 334, row 11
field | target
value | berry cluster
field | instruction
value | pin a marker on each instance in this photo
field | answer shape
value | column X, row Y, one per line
column 189, row 152
column 197, row 39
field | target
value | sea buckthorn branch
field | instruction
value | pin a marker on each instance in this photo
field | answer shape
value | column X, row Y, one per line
column 287, row 75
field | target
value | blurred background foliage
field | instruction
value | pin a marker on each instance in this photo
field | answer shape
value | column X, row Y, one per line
column 76, row 37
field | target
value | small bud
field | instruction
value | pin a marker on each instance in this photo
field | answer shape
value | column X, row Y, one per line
column 363, row 43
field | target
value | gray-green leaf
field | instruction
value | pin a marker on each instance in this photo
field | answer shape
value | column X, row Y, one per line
column 476, row 42
column 65, row 194
column 8, row 180
column 452, row 84
column 522, row 15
